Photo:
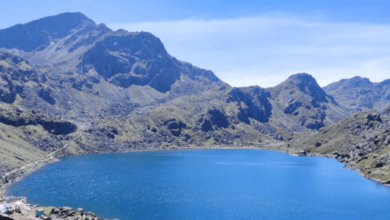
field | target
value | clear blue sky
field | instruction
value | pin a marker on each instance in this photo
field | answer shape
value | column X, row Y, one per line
column 246, row 42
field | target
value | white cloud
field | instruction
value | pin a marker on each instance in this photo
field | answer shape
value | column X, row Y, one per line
column 266, row 50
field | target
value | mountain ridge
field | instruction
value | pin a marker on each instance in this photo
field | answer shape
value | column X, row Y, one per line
column 124, row 92
column 360, row 94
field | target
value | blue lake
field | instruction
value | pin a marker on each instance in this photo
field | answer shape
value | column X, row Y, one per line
column 207, row 184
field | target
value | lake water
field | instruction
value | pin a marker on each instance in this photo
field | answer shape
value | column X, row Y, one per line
column 207, row 184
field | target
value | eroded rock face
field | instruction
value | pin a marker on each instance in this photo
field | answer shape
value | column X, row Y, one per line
column 45, row 94
column 253, row 102
column 127, row 59
column 215, row 119
column 292, row 106
column 14, row 73
column 54, row 127
column 175, row 128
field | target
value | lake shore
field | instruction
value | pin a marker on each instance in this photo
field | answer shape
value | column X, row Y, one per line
column 279, row 146
column 17, row 176
column 227, row 157
column 273, row 147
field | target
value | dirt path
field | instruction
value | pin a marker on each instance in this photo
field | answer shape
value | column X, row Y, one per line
column 51, row 157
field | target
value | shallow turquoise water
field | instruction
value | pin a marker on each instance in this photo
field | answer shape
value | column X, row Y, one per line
column 207, row 184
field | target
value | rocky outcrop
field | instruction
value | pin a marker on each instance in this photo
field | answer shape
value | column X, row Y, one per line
column 54, row 127
column 175, row 128
column 14, row 73
column 360, row 141
column 215, row 119
column 253, row 103
column 5, row 218
column 292, row 107
column 45, row 94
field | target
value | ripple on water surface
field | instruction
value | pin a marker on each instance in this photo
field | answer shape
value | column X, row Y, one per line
column 207, row 184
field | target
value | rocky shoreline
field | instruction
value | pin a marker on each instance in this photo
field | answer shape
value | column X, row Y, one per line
column 19, row 212
column 369, row 147
column 279, row 146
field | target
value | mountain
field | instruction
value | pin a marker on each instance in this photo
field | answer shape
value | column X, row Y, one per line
column 291, row 107
column 360, row 94
column 305, row 102
column 72, row 43
column 69, row 86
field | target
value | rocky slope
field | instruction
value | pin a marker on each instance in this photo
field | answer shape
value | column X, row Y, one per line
column 361, row 141
column 72, row 43
column 66, row 81
column 296, row 105
column 360, row 94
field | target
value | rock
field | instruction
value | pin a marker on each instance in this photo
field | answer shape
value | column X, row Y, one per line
column 65, row 208
column 318, row 144
column 91, row 214
column 175, row 128
column 292, row 107
column 80, row 210
column 302, row 153
column 5, row 218
column 71, row 214
column 387, row 141
column 55, row 211
column 379, row 164
column 374, row 117
column 55, row 127
column 9, row 212
column 45, row 94
column 45, row 217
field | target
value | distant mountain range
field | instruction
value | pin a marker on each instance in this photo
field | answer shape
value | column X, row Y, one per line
column 359, row 94
column 123, row 92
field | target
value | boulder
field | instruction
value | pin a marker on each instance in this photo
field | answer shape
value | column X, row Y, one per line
column 318, row 144
column 55, row 211
column 71, row 214
column 65, row 209
column 80, row 210
column 374, row 117
column 302, row 153
column 387, row 141
column 45, row 217
column 91, row 214
column 5, row 218
column 379, row 164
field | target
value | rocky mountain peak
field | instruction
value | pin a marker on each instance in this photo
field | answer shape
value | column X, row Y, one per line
column 303, row 100
column 305, row 83
column 302, row 76
column 355, row 82
column 37, row 35
column 359, row 93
